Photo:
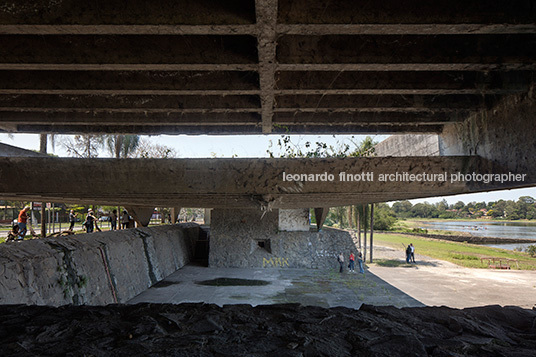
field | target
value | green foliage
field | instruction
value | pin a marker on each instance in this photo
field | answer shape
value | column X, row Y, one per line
column 531, row 250
column 286, row 148
column 523, row 208
column 384, row 217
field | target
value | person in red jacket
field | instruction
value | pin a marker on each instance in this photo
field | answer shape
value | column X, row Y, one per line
column 22, row 221
column 352, row 262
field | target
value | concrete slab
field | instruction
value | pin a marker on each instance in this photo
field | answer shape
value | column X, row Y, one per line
column 306, row 286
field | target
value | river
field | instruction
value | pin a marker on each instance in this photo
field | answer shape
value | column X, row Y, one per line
column 518, row 230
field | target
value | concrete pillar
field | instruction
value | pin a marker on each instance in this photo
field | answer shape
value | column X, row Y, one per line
column 208, row 212
column 141, row 214
column 175, row 211
column 241, row 237
column 320, row 216
column 294, row 220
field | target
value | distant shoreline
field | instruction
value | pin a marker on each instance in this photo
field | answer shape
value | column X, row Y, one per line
column 467, row 220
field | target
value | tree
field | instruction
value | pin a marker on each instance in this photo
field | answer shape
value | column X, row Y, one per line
column 83, row 146
column 384, row 217
column 146, row 150
column 122, row 146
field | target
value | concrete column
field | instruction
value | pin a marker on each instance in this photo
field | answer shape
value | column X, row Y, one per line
column 141, row 214
column 175, row 211
column 294, row 220
column 208, row 212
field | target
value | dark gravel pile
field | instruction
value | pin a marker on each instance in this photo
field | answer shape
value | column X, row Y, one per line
column 274, row 330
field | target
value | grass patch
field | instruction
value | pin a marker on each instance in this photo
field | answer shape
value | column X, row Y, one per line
column 233, row 282
column 464, row 254
column 392, row 263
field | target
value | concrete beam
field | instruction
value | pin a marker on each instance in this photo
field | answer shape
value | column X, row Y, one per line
column 266, row 41
column 141, row 214
column 320, row 215
column 503, row 135
column 253, row 183
column 224, row 129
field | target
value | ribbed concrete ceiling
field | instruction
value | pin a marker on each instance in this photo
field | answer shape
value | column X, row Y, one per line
column 264, row 66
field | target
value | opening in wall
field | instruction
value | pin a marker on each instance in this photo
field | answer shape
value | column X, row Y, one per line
column 265, row 245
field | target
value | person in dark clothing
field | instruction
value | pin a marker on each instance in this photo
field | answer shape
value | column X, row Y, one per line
column 113, row 220
column 91, row 221
column 72, row 219
column 408, row 254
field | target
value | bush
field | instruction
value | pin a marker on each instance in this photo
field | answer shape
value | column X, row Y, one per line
column 531, row 249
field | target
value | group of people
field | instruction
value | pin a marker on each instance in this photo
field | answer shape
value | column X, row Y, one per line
column 91, row 220
column 20, row 229
column 410, row 254
column 351, row 262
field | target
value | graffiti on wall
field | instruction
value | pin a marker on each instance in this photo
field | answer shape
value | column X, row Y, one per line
column 275, row 262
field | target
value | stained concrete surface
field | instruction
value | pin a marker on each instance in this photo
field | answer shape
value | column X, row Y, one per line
column 326, row 288
column 430, row 282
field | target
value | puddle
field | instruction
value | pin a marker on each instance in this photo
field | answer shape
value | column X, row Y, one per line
column 233, row 282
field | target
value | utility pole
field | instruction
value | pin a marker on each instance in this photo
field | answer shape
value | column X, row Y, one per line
column 43, row 150
column 371, row 229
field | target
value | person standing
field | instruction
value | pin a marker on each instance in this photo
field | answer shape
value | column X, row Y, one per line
column 360, row 263
column 340, row 259
column 113, row 220
column 22, row 222
column 412, row 252
column 125, row 219
column 91, row 220
column 408, row 254
column 352, row 262
column 72, row 219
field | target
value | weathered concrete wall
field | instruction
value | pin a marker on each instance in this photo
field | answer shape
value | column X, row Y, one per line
column 75, row 270
column 294, row 220
column 506, row 135
column 409, row 145
column 235, row 237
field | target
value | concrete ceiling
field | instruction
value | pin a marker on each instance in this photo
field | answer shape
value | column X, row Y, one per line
column 264, row 66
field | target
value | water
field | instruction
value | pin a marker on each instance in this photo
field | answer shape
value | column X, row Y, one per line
column 517, row 230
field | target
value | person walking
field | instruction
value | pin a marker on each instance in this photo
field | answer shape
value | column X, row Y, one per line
column 352, row 262
column 412, row 252
column 72, row 219
column 22, row 222
column 340, row 259
column 360, row 263
column 408, row 254
column 113, row 220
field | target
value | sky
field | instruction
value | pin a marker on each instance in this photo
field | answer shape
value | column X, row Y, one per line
column 203, row 146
